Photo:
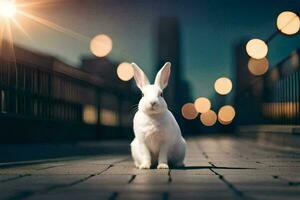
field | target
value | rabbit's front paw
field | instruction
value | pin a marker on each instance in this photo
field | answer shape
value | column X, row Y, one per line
column 145, row 165
column 162, row 166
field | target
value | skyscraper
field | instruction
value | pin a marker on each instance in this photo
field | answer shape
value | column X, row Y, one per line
column 168, row 49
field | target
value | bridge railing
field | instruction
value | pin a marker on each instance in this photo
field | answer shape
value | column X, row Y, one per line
column 282, row 90
column 53, row 91
column 273, row 98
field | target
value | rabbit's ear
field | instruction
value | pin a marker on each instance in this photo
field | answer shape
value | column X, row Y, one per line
column 139, row 77
column 163, row 75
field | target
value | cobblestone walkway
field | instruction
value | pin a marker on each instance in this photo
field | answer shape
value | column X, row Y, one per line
column 216, row 168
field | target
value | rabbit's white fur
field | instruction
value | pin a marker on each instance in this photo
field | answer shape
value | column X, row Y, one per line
column 158, row 140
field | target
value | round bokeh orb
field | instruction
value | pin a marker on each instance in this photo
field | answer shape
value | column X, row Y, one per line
column 257, row 48
column 226, row 114
column 188, row 111
column 258, row 67
column 101, row 45
column 125, row 71
column 202, row 105
column 223, row 85
column 288, row 22
column 224, row 123
column 208, row 118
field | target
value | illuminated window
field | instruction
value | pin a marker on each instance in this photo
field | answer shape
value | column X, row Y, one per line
column 109, row 117
column 90, row 114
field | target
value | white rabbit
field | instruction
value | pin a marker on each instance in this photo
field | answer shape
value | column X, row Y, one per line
column 158, row 140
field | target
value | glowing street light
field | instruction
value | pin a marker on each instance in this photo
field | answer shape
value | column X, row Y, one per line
column 202, row 104
column 101, row 45
column 224, row 123
column 257, row 48
column 288, row 23
column 208, row 118
column 125, row 71
column 188, row 111
column 223, row 85
column 258, row 67
column 226, row 114
column 7, row 8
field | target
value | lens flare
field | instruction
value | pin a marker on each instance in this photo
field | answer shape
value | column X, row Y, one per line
column 202, row 104
column 7, row 8
column 188, row 111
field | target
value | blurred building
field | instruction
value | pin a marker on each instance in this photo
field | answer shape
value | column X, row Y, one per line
column 43, row 98
column 271, row 98
column 107, row 70
column 247, row 94
column 169, row 49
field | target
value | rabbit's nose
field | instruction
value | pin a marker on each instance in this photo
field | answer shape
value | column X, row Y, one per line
column 153, row 103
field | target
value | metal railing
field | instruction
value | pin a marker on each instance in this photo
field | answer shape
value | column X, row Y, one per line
column 281, row 91
column 59, row 92
column 274, row 97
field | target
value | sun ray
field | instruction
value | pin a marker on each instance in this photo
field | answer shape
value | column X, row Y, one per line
column 11, row 43
column 39, row 3
column 54, row 26
column 18, row 25
column 2, row 35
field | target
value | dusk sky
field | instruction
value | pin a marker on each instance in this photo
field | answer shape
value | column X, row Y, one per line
column 208, row 31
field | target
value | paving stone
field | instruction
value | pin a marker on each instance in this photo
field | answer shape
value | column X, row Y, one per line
column 82, row 168
column 203, row 195
column 74, row 196
column 129, row 170
column 196, row 179
column 5, row 177
column 151, row 179
column 33, row 184
column 104, row 180
column 195, row 170
column 141, row 195
column 272, row 192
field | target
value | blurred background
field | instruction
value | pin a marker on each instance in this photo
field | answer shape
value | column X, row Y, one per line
column 65, row 72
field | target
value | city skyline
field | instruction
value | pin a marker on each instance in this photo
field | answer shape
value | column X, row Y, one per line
column 208, row 32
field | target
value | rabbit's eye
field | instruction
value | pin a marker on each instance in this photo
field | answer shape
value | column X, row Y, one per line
column 143, row 94
column 161, row 94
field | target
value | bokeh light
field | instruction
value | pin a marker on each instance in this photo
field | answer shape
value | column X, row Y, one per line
column 90, row 115
column 101, row 45
column 257, row 48
column 188, row 111
column 202, row 104
column 258, row 67
column 288, row 22
column 224, row 123
column 7, row 8
column 226, row 114
column 208, row 118
column 223, row 85
column 125, row 71
column 109, row 117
